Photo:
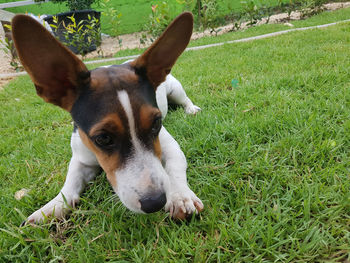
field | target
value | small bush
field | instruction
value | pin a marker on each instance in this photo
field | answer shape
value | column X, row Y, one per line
column 114, row 18
column 74, row 5
column 81, row 35
column 209, row 16
column 158, row 21
column 9, row 47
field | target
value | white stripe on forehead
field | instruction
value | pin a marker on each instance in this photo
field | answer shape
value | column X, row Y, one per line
column 125, row 102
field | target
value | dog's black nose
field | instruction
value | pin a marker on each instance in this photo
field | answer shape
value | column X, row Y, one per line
column 153, row 203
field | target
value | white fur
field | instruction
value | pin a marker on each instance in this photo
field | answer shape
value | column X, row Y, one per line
column 172, row 90
column 179, row 196
column 125, row 102
column 143, row 171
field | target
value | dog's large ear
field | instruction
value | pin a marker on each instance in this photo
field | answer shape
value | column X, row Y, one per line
column 56, row 72
column 160, row 57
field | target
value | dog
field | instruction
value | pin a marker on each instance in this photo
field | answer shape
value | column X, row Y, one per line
column 117, row 113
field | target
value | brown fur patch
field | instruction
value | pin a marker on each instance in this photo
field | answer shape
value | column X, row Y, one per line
column 109, row 163
column 157, row 148
column 99, row 79
column 147, row 116
column 130, row 77
column 112, row 76
column 111, row 123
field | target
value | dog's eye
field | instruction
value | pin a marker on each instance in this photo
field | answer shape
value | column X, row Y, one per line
column 157, row 124
column 104, row 140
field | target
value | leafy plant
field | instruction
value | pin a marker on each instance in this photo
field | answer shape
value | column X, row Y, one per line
column 267, row 12
column 80, row 35
column 158, row 21
column 290, row 8
column 208, row 15
column 280, row 5
column 235, row 18
column 311, row 7
column 251, row 11
column 187, row 4
column 9, row 48
column 113, row 17
column 75, row 5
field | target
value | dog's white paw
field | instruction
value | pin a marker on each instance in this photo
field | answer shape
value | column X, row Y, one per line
column 192, row 109
column 182, row 204
column 57, row 207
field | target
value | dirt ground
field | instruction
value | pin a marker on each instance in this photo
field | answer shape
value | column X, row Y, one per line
column 110, row 45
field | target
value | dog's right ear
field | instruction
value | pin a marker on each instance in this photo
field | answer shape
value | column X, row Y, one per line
column 56, row 72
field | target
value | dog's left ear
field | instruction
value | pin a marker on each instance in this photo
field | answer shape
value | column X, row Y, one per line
column 160, row 57
column 56, row 72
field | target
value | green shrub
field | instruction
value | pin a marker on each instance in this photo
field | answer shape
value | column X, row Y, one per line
column 158, row 21
column 113, row 17
column 75, row 5
column 80, row 35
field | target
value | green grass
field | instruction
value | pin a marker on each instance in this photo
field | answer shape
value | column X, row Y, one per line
column 135, row 14
column 270, row 160
column 322, row 18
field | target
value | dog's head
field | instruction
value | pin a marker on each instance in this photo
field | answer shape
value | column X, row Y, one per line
column 114, row 108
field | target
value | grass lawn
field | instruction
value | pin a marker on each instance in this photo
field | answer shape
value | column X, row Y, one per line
column 269, row 158
column 136, row 13
column 320, row 19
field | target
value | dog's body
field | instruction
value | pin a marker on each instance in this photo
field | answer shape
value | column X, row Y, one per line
column 117, row 115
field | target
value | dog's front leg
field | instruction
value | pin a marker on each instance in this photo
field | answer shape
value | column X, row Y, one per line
column 181, row 201
column 82, row 168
